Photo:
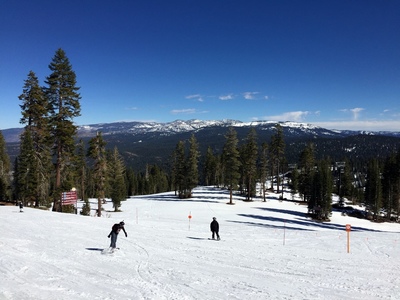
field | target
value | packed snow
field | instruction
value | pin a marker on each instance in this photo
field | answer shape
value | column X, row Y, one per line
column 268, row 250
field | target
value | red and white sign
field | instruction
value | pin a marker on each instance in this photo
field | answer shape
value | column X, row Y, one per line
column 68, row 198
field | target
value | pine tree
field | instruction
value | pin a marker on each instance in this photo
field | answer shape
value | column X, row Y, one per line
column 346, row 179
column 231, row 163
column 131, row 182
column 179, row 169
column 34, row 110
column 81, row 177
column 210, row 168
column 294, row 181
column 321, row 196
column 63, row 97
column 97, row 152
column 390, row 186
column 26, row 170
column 277, row 150
column 192, row 172
column 263, row 168
column 306, row 165
column 5, row 187
column 117, row 179
column 373, row 189
column 249, row 163
column 81, row 170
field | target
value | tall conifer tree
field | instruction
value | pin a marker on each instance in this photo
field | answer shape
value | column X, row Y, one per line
column 249, row 163
column 306, row 164
column 97, row 152
column 34, row 110
column 231, row 162
column 117, row 179
column 192, row 166
column 277, row 150
column 5, row 188
column 373, row 189
column 263, row 168
column 62, row 94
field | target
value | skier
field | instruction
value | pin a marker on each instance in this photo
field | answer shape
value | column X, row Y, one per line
column 21, row 207
column 114, row 234
column 214, row 226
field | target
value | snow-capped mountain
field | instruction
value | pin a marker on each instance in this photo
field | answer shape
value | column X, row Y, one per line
column 291, row 129
column 181, row 126
column 142, row 143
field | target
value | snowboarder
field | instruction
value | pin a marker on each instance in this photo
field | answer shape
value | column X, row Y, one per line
column 114, row 233
column 214, row 226
column 21, row 207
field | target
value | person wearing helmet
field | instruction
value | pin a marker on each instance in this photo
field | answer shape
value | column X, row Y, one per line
column 114, row 233
column 214, row 226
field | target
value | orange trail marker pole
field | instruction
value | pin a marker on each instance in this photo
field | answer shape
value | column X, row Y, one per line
column 189, row 217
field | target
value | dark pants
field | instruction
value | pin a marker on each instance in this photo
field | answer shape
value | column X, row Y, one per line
column 113, row 239
column 215, row 233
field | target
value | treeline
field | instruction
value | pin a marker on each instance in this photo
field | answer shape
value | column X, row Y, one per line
column 50, row 162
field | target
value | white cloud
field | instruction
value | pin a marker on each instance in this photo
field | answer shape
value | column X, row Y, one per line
column 295, row 116
column 226, row 97
column 183, row 111
column 197, row 97
column 355, row 112
column 249, row 95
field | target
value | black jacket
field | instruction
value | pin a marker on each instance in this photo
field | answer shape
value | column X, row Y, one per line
column 214, row 226
column 117, row 228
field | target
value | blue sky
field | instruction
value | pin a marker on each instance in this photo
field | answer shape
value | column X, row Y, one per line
column 330, row 63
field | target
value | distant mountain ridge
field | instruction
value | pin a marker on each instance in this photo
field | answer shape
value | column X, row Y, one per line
column 180, row 126
column 142, row 143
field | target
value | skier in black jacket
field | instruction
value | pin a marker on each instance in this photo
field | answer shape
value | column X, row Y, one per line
column 114, row 233
column 214, row 227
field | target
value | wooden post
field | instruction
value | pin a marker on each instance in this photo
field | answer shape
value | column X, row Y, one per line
column 348, row 229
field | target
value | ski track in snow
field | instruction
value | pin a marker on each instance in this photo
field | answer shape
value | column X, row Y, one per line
column 269, row 250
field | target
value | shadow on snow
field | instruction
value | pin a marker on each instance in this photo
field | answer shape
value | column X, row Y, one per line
column 309, row 224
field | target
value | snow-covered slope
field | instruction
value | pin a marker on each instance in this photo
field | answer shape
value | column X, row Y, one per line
column 269, row 250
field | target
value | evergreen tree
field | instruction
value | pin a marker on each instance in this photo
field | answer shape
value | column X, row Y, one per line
column 131, row 182
column 210, row 168
column 25, row 171
column 294, row 181
column 34, row 110
column 263, row 168
column 81, row 177
column 373, row 189
column 63, row 97
column 390, row 186
column 306, row 165
column 192, row 172
column 249, row 163
column 277, row 150
column 117, row 179
column 158, row 180
column 97, row 152
column 5, row 187
column 231, row 163
column 321, row 196
column 81, row 170
column 346, row 180
column 179, row 168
